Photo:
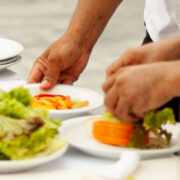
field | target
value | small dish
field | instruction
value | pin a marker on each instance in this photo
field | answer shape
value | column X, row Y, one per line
column 95, row 100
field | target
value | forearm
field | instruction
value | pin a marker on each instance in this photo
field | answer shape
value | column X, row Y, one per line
column 164, row 50
column 90, row 19
column 173, row 78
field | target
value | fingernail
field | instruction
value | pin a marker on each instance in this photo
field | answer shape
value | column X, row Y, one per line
column 45, row 83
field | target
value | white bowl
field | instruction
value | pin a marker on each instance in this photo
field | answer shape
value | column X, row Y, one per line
column 95, row 100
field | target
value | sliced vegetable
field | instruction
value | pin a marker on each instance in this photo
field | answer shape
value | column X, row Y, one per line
column 112, row 133
column 50, row 101
column 147, row 133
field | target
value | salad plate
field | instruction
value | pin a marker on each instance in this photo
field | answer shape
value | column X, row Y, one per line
column 75, row 131
column 9, row 166
column 9, row 48
column 94, row 99
column 29, row 137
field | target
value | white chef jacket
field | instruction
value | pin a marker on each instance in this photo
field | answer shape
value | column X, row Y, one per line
column 162, row 18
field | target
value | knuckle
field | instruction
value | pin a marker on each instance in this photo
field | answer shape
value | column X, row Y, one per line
column 109, row 71
column 119, row 81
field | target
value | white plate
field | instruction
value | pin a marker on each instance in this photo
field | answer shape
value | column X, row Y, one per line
column 21, row 165
column 10, row 60
column 76, row 134
column 4, row 66
column 9, row 48
column 95, row 100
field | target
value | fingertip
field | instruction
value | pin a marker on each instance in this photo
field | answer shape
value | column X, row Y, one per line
column 132, row 119
column 45, row 85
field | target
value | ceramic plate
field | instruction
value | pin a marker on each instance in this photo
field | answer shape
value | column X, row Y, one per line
column 13, row 62
column 9, row 48
column 7, row 166
column 95, row 100
column 75, row 131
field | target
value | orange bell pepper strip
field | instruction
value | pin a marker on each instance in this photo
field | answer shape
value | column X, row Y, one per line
column 112, row 133
column 85, row 103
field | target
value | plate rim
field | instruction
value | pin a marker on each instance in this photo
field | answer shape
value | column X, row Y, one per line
column 73, row 111
column 37, row 160
column 148, row 152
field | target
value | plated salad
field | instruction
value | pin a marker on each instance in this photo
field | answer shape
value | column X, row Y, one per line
column 26, row 131
column 145, row 134
column 57, row 102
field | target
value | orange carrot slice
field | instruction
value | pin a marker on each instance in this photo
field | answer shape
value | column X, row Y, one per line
column 112, row 133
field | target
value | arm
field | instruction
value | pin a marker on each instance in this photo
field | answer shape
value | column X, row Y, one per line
column 164, row 50
column 141, row 88
column 66, row 58
column 90, row 19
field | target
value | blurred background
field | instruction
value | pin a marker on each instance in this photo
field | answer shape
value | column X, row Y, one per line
column 38, row 23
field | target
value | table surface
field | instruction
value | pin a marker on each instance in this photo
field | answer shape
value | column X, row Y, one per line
column 78, row 165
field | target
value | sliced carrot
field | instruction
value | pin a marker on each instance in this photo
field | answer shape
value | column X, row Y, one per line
column 111, row 141
column 112, row 133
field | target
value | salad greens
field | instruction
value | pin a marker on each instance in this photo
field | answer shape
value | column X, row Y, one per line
column 151, row 126
column 25, row 131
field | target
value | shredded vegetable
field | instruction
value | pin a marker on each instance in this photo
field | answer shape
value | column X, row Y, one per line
column 50, row 101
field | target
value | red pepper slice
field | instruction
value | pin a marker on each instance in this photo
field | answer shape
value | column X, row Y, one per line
column 49, row 95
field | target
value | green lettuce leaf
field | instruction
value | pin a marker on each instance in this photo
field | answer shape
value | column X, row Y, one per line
column 25, row 131
column 25, row 147
column 21, row 94
column 155, row 119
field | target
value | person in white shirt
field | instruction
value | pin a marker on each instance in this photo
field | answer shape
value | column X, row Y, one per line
column 65, row 59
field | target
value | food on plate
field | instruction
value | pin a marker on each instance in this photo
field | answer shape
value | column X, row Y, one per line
column 145, row 134
column 25, row 131
column 50, row 101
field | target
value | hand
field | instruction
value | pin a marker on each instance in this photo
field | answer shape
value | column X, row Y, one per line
column 138, row 89
column 164, row 50
column 62, row 62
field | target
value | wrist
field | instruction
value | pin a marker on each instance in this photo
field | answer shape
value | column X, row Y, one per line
column 80, row 39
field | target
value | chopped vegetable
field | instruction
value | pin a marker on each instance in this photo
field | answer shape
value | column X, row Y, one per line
column 25, row 131
column 50, row 101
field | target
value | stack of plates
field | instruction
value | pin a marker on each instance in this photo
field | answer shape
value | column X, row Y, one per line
column 9, row 53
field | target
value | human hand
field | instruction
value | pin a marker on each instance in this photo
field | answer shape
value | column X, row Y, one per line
column 164, row 50
column 62, row 62
column 138, row 89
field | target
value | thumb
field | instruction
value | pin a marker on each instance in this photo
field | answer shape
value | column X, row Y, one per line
column 51, row 76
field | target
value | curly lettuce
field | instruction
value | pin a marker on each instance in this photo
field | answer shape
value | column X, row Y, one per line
column 25, row 131
column 150, row 126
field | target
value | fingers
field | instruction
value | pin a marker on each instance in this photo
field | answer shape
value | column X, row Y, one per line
column 66, row 78
column 113, row 68
column 118, row 106
column 38, row 71
column 54, row 66
column 111, row 99
column 130, row 57
column 108, row 84
column 122, row 111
